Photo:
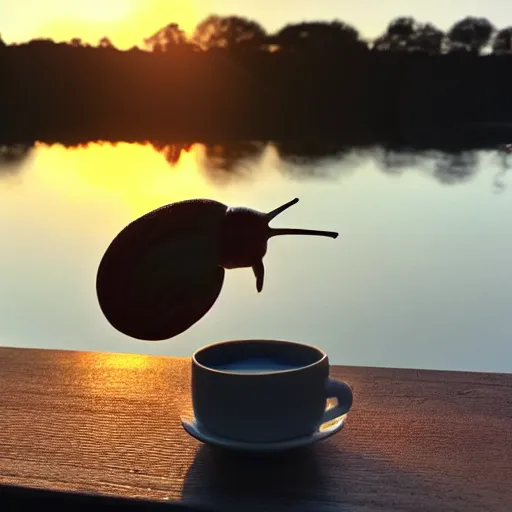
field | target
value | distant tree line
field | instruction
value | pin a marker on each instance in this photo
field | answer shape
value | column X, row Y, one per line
column 231, row 80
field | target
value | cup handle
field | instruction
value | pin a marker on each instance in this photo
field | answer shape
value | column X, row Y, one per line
column 342, row 392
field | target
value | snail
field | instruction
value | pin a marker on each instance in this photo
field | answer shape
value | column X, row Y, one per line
column 164, row 271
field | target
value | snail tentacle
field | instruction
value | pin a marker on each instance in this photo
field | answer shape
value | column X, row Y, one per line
column 259, row 273
column 277, row 211
column 298, row 231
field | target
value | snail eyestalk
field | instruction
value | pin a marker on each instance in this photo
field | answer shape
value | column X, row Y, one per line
column 277, row 211
column 293, row 231
column 297, row 231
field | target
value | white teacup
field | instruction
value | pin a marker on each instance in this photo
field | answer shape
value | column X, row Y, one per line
column 264, row 390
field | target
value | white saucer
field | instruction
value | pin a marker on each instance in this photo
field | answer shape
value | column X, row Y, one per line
column 326, row 430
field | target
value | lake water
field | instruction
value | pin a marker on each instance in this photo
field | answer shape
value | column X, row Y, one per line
column 420, row 276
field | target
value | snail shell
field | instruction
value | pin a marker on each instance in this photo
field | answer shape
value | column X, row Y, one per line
column 160, row 274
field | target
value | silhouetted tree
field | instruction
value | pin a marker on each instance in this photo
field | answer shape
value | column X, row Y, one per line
column 41, row 43
column 228, row 32
column 105, row 42
column 470, row 34
column 398, row 35
column 428, row 39
column 320, row 87
column 318, row 36
column 166, row 38
column 406, row 34
column 502, row 43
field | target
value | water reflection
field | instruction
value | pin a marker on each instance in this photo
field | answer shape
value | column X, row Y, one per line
column 171, row 152
column 418, row 276
column 456, row 168
column 222, row 163
column 504, row 158
column 233, row 160
column 12, row 159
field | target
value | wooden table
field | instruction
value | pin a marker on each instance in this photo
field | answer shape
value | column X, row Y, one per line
column 109, row 423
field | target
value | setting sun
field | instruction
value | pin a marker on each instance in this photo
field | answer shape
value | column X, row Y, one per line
column 125, row 22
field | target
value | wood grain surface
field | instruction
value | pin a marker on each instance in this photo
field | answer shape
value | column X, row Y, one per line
column 415, row 440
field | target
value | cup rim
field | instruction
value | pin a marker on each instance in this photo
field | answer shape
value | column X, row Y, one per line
column 323, row 356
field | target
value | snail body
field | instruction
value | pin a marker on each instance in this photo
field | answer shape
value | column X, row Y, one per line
column 164, row 271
